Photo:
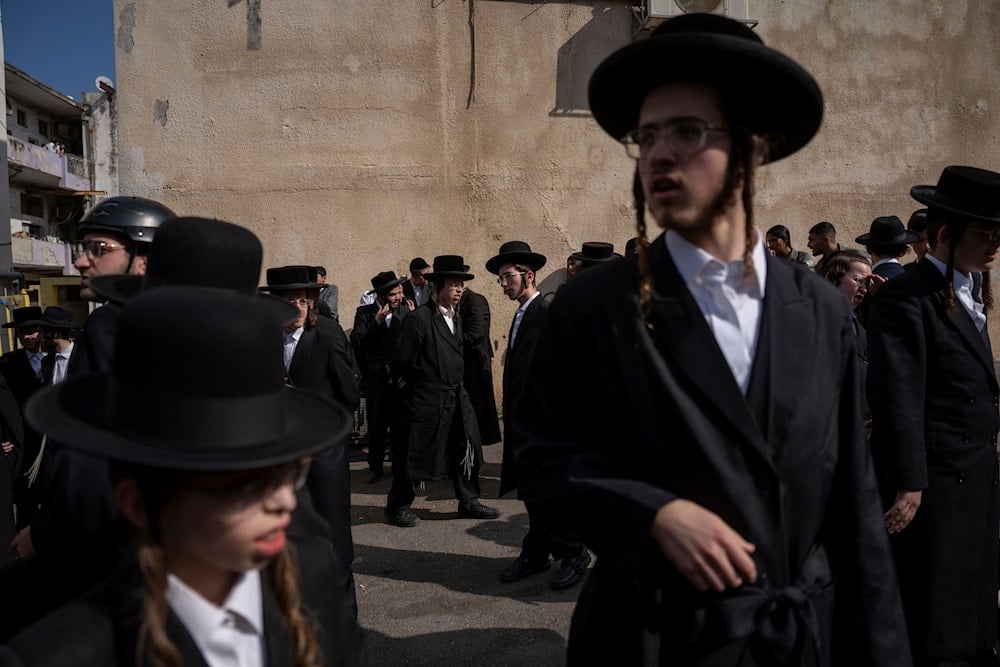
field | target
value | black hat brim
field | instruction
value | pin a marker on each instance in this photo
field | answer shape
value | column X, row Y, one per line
column 437, row 275
column 121, row 289
column 533, row 259
column 580, row 257
column 776, row 96
column 930, row 197
column 290, row 286
column 72, row 414
column 50, row 325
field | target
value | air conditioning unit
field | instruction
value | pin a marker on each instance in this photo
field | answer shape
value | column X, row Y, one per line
column 651, row 13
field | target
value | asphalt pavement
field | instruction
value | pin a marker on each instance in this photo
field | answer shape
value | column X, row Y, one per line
column 430, row 595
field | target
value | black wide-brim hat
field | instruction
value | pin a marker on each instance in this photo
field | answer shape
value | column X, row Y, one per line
column 385, row 281
column 887, row 230
column 21, row 317
column 197, row 383
column 54, row 317
column 199, row 252
column 595, row 251
column 968, row 192
column 294, row 277
column 515, row 252
column 449, row 266
column 776, row 97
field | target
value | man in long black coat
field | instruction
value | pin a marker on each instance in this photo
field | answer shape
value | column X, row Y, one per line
column 374, row 338
column 694, row 412
column 442, row 438
column 934, row 395
column 474, row 310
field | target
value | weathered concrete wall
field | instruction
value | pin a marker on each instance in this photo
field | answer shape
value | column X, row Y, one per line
column 342, row 132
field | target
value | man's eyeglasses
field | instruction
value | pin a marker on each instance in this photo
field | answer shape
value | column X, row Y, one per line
column 509, row 277
column 683, row 136
column 992, row 234
column 301, row 302
column 247, row 488
column 95, row 249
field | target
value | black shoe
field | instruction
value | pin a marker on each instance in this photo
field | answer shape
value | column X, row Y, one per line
column 402, row 517
column 571, row 571
column 374, row 477
column 523, row 567
column 476, row 510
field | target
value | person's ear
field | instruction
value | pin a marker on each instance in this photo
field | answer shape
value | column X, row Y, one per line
column 130, row 501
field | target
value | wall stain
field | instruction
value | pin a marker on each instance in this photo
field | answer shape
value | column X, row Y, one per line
column 253, row 22
column 160, row 112
column 126, row 23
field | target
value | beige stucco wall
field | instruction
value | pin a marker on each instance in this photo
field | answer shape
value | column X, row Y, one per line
column 346, row 138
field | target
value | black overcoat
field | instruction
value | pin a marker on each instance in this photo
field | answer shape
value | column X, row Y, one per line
column 101, row 629
column 934, row 395
column 474, row 310
column 374, row 346
column 515, row 378
column 620, row 419
column 437, row 410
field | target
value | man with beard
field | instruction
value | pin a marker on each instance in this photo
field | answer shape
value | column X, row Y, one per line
column 934, row 395
column 704, row 440
column 374, row 337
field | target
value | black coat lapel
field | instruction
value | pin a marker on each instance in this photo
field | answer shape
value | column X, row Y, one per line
column 454, row 339
column 683, row 337
column 303, row 352
column 277, row 648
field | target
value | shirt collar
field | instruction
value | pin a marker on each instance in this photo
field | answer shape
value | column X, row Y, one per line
column 959, row 279
column 68, row 351
column 445, row 312
column 885, row 260
column 691, row 259
column 295, row 335
column 524, row 306
column 201, row 618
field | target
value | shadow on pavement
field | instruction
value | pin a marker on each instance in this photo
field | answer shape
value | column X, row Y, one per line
column 483, row 647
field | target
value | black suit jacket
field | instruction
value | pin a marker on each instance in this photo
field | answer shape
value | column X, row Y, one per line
column 515, row 378
column 408, row 293
column 322, row 363
column 20, row 376
column 477, row 352
column 101, row 629
column 622, row 418
column 934, row 396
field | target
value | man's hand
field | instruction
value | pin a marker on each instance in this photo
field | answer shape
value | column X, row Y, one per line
column 22, row 545
column 876, row 282
column 902, row 511
column 703, row 547
column 382, row 312
column 410, row 305
column 7, row 447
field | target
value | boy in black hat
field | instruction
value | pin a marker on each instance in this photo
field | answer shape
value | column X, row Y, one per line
column 57, row 328
column 374, row 337
column 934, row 394
column 442, row 437
column 704, row 440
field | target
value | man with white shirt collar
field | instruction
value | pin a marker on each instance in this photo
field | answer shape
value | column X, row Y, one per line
column 693, row 413
column 57, row 328
column 934, row 395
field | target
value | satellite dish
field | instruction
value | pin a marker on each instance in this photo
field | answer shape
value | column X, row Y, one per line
column 691, row 6
column 104, row 83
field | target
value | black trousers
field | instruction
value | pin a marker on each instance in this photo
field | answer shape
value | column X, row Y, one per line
column 329, row 485
column 547, row 535
column 382, row 402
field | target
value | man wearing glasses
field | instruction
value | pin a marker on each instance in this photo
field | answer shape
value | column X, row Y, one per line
column 693, row 413
column 934, row 395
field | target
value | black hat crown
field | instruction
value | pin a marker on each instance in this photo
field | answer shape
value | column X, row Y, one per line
column 292, row 277
column 450, row 266
column 21, row 316
column 55, row 317
column 385, row 281
column 887, row 230
column 968, row 192
column 595, row 251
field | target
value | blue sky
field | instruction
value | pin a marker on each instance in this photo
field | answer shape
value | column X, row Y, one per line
column 65, row 44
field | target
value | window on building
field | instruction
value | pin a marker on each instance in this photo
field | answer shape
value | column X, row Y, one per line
column 43, row 127
column 22, row 118
column 31, row 205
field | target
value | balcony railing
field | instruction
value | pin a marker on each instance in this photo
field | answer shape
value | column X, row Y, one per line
column 71, row 170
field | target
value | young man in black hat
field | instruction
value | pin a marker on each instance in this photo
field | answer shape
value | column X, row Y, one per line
column 933, row 393
column 58, row 333
column 704, row 440
column 117, row 233
column 317, row 358
column 516, row 267
column 591, row 254
column 441, row 437
column 886, row 242
column 374, row 337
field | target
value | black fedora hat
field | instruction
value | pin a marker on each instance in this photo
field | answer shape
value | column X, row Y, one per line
column 284, row 278
column 199, row 252
column 196, row 384
column 968, row 192
column 385, row 281
column 778, row 99
column 515, row 252
column 54, row 317
column 449, row 266
column 22, row 316
column 887, row 230
column 593, row 252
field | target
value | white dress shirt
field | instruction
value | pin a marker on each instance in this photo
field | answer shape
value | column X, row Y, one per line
column 449, row 317
column 518, row 316
column 291, row 341
column 367, row 298
column 231, row 635
column 62, row 363
column 731, row 302
column 963, row 291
